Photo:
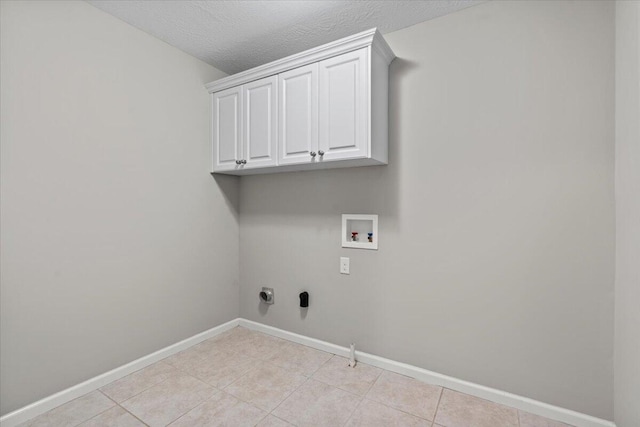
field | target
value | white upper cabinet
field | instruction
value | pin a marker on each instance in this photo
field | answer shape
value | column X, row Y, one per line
column 260, row 130
column 227, row 129
column 298, row 101
column 343, row 106
column 323, row 108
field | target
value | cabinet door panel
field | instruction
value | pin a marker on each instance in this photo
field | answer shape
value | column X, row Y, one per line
column 227, row 128
column 298, row 102
column 260, row 122
column 344, row 106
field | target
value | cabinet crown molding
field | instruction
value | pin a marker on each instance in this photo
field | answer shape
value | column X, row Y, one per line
column 366, row 38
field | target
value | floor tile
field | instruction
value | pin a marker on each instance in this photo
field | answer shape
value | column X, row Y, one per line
column 271, row 421
column 139, row 381
column 114, row 417
column 299, row 358
column 406, row 394
column 374, row 414
column 234, row 334
column 338, row 373
column 221, row 410
column 221, row 369
column 461, row 410
column 258, row 374
column 184, row 360
column 74, row 412
column 531, row 420
column 163, row 403
column 317, row 404
column 259, row 346
column 230, row 339
column 265, row 386
column 224, row 342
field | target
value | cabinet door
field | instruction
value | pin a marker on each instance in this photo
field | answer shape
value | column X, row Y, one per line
column 260, row 122
column 227, row 128
column 298, row 107
column 344, row 106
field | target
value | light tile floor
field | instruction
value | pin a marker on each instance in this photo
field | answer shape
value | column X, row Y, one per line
column 245, row 378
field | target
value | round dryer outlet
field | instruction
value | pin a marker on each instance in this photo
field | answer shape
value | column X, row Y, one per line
column 266, row 295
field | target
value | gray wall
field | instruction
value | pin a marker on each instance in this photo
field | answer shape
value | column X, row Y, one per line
column 627, row 316
column 496, row 259
column 116, row 240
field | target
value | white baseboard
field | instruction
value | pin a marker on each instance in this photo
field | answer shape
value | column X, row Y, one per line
column 523, row 403
column 529, row 405
column 28, row 412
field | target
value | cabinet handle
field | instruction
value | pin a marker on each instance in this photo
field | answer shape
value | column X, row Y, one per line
column 313, row 153
column 321, row 153
column 243, row 161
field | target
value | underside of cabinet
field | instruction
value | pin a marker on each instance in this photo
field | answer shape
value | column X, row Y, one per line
column 336, row 164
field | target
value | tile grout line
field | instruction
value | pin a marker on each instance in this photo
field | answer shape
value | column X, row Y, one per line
column 518, row 417
column 199, row 404
column 307, row 378
column 261, row 419
column 147, row 388
column 79, row 397
column 282, row 401
column 219, row 390
column 498, row 404
column 181, row 370
column 90, row 418
column 382, row 371
column 244, row 374
column 244, row 401
column 323, row 363
column 238, row 379
column 402, row 410
column 354, row 411
column 294, row 344
column 363, row 397
column 435, row 414
column 355, row 408
column 339, row 387
column 124, row 409
column 284, row 421
column 162, row 382
column 397, row 409
column 311, row 377
column 305, row 381
column 133, row 415
column 249, row 403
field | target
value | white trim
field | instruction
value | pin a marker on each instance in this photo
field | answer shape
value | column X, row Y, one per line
column 346, row 243
column 519, row 402
column 523, row 403
column 338, row 47
column 43, row 405
column 383, row 48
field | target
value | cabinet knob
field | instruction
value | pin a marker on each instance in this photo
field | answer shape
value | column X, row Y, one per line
column 320, row 152
column 243, row 161
column 313, row 153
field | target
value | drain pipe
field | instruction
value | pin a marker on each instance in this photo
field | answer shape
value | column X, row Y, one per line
column 352, row 356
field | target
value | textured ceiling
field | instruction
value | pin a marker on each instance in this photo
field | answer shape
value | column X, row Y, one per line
column 234, row 36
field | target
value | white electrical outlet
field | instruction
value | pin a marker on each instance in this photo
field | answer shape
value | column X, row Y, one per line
column 344, row 265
